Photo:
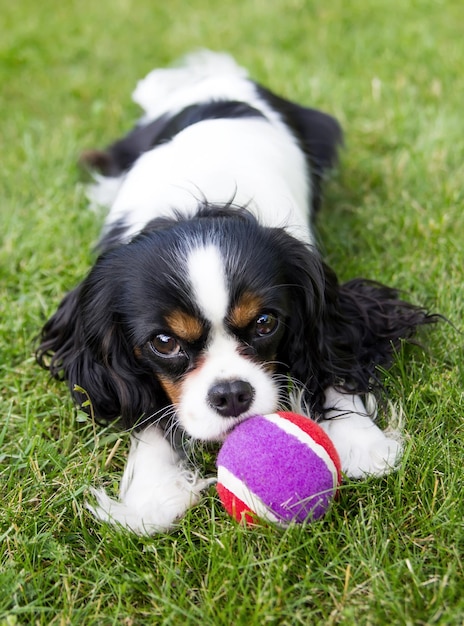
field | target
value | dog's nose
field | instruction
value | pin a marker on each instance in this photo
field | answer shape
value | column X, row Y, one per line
column 231, row 398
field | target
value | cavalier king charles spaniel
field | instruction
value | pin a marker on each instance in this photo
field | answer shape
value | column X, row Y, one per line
column 209, row 301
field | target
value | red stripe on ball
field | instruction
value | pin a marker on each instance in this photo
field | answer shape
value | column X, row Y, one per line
column 234, row 506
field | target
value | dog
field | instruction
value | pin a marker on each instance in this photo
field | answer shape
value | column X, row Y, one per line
column 209, row 301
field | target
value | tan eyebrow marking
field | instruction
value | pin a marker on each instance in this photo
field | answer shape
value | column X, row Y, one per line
column 185, row 326
column 172, row 389
column 245, row 310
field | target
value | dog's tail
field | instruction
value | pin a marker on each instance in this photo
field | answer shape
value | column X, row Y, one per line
column 159, row 85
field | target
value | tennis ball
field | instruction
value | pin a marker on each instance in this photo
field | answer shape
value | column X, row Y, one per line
column 280, row 467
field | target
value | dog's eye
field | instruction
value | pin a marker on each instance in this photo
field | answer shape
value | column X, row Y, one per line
column 165, row 345
column 266, row 324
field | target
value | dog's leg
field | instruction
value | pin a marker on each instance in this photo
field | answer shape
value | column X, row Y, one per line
column 363, row 448
column 156, row 488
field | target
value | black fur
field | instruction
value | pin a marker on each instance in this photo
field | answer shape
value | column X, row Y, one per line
column 319, row 134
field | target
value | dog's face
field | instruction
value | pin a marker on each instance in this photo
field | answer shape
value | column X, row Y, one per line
column 203, row 315
column 214, row 351
column 210, row 307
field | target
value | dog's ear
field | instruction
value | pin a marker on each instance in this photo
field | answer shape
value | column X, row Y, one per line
column 85, row 344
column 340, row 334
column 365, row 325
column 300, row 351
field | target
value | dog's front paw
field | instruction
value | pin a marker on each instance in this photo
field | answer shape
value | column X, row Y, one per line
column 156, row 490
column 362, row 447
column 153, row 509
column 371, row 458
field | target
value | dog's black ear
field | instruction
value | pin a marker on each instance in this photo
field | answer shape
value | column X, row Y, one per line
column 85, row 344
column 364, row 327
column 340, row 334
column 59, row 336
column 300, row 352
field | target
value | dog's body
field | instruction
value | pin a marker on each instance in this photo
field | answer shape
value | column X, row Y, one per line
column 209, row 300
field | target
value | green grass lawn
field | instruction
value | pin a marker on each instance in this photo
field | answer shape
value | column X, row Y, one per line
column 391, row 550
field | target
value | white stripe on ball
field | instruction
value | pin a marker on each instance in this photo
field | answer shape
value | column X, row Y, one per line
column 298, row 433
column 243, row 493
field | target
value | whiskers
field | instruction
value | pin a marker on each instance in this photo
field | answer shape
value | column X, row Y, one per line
column 166, row 420
column 160, row 416
column 293, row 395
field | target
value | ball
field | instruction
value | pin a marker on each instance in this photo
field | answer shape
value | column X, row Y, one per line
column 280, row 467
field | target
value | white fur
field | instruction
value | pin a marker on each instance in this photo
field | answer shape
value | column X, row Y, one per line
column 156, row 489
column 205, row 268
column 104, row 190
column 201, row 76
column 363, row 448
column 238, row 157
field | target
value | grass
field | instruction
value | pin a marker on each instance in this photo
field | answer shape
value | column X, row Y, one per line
column 390, row 551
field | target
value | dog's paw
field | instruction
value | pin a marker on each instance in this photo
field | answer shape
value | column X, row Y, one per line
column 156, row 510
column 156, row 490
column 363, row 448
column 373, row 458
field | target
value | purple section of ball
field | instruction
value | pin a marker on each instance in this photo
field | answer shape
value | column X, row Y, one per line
column 284, row 472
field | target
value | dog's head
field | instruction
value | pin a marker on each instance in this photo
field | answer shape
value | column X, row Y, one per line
column 204, row 314
column 210, row 319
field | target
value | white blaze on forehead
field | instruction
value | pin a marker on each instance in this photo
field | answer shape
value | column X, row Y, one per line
column 209, row 283
column 222, row 358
